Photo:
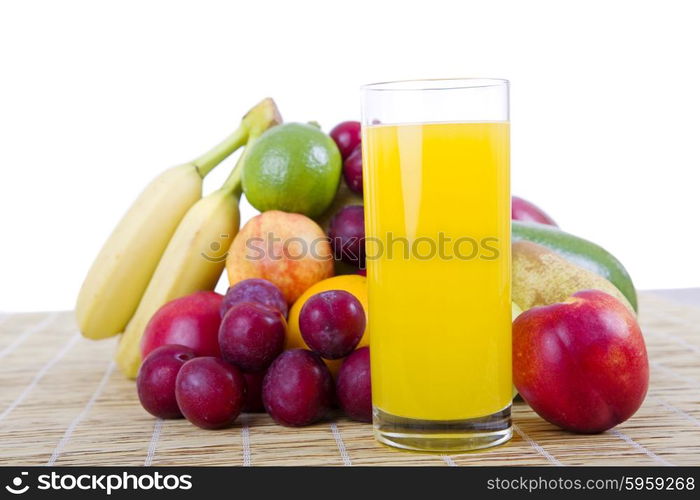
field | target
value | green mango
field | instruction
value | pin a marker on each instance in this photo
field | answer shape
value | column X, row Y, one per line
column 580, row 252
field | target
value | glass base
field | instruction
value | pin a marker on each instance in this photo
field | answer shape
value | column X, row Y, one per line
column 442, row 435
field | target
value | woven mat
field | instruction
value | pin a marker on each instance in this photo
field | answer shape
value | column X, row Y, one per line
column 62, row 402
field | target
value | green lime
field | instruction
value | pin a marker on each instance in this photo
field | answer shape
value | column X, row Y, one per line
column 294, row 168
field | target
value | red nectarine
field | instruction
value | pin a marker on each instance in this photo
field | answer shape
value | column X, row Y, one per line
column 529, row 212
column 192, row 321
column 581, row 364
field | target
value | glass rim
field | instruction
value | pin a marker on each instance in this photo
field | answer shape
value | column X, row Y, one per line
column 425, row 84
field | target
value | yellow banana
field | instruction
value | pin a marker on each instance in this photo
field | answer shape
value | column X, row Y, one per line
column 193, row 261
column 122, row 270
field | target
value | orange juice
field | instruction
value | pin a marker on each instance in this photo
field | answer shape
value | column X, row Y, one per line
column 437, row 216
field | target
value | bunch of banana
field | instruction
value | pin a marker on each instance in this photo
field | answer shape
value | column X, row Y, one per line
column 125, row 274
column 194, row 258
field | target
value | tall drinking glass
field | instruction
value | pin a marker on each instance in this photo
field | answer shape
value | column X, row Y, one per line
column 437, row 224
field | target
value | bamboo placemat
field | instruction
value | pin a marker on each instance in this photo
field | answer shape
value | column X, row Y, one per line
column 62, row 402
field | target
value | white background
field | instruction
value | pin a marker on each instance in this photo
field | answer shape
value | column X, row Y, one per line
column 98, row 97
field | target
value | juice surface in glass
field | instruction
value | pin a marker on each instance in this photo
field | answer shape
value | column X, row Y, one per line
column 437, row 216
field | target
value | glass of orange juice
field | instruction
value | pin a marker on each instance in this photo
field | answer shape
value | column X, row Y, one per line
column 436, row 171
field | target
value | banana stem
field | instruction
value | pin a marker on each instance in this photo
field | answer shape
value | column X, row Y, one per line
column 261, row 117
column 234, row 182
column 218, row 153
